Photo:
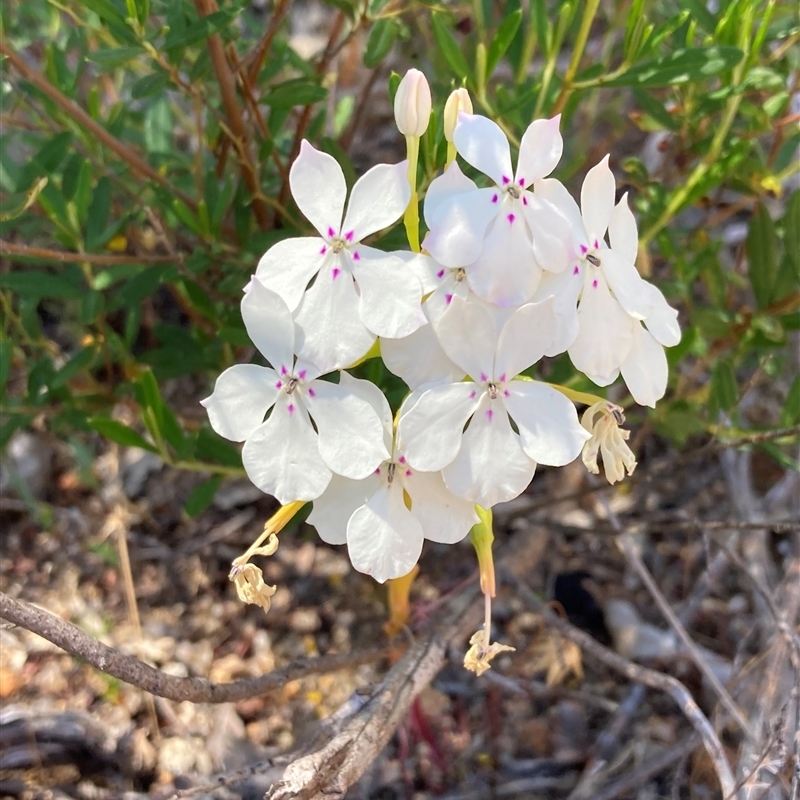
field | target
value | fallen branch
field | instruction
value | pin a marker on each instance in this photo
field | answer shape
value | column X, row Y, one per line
column 131, row 670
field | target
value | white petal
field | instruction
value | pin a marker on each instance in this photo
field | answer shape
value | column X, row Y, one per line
column 622, row 231
column 419, row 359
column 368, row 391
column 429, row 431
column 269, row 324
column 281, row 456
column 645, row 369
column 506, row 274
column 627, row 284
column 551, row 233
column 548, row 423
column 242, row 396
column 378, row 200
column 318, row 188
column 384, row 539
column 662, row 321
column 458, row 226
column 491, row 466
column 334, row 507
column 605, row 332
column 391, row 294
column 527, row 335
column 450, row 183
column 556, row 193
column 564, row 288
column 445, row 518
column 350, row 431
column 597, row 200
column 482, row 143
column 331, row 334
column 428, row 272
column 288, row 267
column 539, row 151
column 467, row 335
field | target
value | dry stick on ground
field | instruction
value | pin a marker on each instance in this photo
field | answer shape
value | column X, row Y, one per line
column 650, row 677
column 131, row 670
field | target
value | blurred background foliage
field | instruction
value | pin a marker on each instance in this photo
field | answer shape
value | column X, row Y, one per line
column 144, row 156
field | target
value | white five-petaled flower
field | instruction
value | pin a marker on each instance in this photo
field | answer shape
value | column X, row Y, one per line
column 490, row 462
column 385, row 517
column 359, row 292
column 599, row 295
column 486, row 230
column 285, row 456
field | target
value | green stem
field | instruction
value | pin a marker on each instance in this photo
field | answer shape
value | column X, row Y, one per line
column 577, row 54
column 411, row 217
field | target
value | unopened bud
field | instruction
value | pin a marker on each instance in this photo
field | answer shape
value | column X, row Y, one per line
column 412, row 104
column 459, row 100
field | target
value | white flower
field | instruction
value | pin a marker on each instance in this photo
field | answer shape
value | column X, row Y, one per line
column 603, row 421
column 459, row 100
column 599, row 295
column 485, row 230
column 490, row 462
column 385, row 517
column 359, row 292
column 284, row 456
column 412, row 104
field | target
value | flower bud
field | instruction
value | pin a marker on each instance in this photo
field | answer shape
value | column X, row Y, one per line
column 412, row 104
column 459, row 100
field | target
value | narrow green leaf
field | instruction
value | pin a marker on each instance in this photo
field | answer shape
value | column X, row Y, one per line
column 6, row 353
column 199, row 30
column 296, row 92
column 724, row 393
column 379, row 42
column 106, row 10
column 502, row 40
column 449, row 47
column 97, row 213
column 15, row 205
column 791, row 228
column 790, row 415
column 762, row 255
column 149, row 85
column 37, row 284
column 112, row 57
column 79, row 362
column 200, row 497
column 212, row 447
column 656, row 110
column 121, row 434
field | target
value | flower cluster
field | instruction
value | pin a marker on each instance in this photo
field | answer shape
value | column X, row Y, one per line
column 509, row 271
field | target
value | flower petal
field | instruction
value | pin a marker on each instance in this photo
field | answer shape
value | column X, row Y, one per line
column 450, row 183
column 391, row 294
column 445, row 518
column 467, row 335
column 506, row 273
column 481, row 143
column 350, row 431
column 556, row 193
column 645, row 369
column 368, row 391
column 429, row 431
column 548, row 423
column 458, row 227
column 423, row 266
column 269, row 324
column 419, row 359
column 241, row 398
column 527, row 335
column 605, row 332
column 564, row 288
column 331, row 334
column 491, row 467
column 597, row 200
column 384, row 539
column 662, row 321
column 288, row 267
column 627, row 284
column 622, row 231
column 334, row 507
column 551, row 233
column 318, row 188
column 539, row 151
column 281, row 456
column 378, row 200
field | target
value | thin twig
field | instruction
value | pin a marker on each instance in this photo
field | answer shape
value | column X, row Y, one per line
column 131, row 670
column 63, row 257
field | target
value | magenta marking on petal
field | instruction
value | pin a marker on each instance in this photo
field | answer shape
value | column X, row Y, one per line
column 356, row 257
column 584, row 249
column 324, row 250
column 409, row 473
column 302, row 374
column 331, row 232
column 484, row 376
column 472, row 395
column 506, row 180
column 524, row 201
column 494, row 198
column 311, row 392
column 284, row 371
column 279, row 384
column 448, row 298
column 489, row 414
column 502, row 378
column 290, row 409
column 401, row 460
column 511, row 219
column 575, row 270
column 335, row 273
column 596, row 245
column 349, row 236
column 506, row 393
column 521, row 181
column 594, row 283
column 377, row 471
column 440, row 273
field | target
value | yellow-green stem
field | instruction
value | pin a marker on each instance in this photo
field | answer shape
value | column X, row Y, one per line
column 451, row 154
column 482, row 537
column 577, row 54
column 411, row 218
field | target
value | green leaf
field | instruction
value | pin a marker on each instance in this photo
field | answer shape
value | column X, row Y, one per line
column 137, row 288
column 790, row 415
column 502, row 40
column 724, row 393
column 158, row 126
column 296, row 92
column 38, row 284
column 681, row 66
column 6, row 353
column 449, row 47
column 212, row 447
column 78, row 363
column 791, row 228
column 121, row 434
column 199, row 30
column 200, row 497
column 656, row 110
column 97, row 214
column 379, row 42
column 112, row 57
column 149, row 85
column 15, row 205
column 106, row 10
column 762, row 255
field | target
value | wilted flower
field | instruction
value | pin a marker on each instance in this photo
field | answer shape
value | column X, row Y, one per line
column 603, row 421
column 481, row 653
column 412, row 104
column 249, row 579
